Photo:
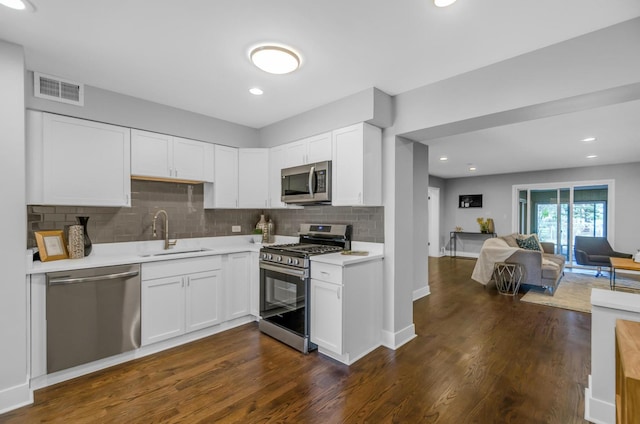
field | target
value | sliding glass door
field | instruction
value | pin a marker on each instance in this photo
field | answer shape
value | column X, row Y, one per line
column 559, row 212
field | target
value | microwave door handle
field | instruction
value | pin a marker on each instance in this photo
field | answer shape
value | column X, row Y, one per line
column 312, row 174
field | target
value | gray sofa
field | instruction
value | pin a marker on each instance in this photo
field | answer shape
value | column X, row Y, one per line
column 543, row 269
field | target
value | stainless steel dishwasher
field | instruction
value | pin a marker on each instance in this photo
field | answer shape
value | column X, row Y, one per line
column 92, row 314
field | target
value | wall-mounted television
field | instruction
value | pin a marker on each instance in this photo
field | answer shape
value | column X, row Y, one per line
column 470, row 201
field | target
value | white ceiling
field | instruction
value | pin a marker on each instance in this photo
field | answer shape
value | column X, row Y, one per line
column 192, row 54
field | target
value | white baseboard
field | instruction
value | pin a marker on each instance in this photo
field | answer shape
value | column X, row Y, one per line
column 421, row 292
column 399, row 338
column 15, row 397
column 598, row 411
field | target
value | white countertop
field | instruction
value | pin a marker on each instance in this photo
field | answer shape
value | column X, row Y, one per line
column 375, row 250
column 109, row 254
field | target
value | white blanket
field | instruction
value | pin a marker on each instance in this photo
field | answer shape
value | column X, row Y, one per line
column 493, row 250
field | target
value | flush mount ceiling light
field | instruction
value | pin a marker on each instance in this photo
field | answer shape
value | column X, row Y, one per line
column 18, row 4
column 443, row 3
column 444, row 158
column 256, row 91
column 275, row 59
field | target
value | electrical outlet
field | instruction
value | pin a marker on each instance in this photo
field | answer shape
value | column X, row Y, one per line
column 236, row 228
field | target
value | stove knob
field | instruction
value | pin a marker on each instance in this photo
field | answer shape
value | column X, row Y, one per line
column 296, row 262
column 279, row 258
column 269, row 256
column 289, row 261
column 264, row 256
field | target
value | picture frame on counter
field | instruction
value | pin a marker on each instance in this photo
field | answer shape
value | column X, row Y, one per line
column 51, row 245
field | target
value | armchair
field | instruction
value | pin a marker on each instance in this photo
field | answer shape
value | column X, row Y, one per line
column 595, row 251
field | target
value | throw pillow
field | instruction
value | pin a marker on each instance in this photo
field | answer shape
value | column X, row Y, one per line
column 529, row 243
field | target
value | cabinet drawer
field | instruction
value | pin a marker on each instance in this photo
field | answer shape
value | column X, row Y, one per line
column 326, row 272
column 175, row 267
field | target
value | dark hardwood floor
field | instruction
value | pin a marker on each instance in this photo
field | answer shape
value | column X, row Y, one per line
column 479, row 358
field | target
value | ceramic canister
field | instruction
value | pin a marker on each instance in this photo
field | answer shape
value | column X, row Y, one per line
column 76, row 242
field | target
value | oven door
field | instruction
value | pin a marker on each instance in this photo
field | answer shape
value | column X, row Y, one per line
column 283, row 297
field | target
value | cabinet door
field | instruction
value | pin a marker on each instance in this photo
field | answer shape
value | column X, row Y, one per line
column 151, row 154
column 192, row 160
column 204, row 300
column 85, row 163
column 295, row 153
column 237, row 285
column 319, row 148
column 162, row 309
column 348, row 171
column 326, row 315
column 276, row 163
column 253, row 178
column 225, row 187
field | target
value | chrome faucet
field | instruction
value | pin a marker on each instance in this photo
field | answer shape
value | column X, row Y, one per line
column 167, row 243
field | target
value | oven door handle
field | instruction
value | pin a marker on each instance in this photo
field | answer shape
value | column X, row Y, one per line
column 295, row 272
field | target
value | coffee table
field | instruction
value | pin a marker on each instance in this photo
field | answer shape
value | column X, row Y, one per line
column 621, row 263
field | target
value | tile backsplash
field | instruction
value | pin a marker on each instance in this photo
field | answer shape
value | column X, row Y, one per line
column 189, row 219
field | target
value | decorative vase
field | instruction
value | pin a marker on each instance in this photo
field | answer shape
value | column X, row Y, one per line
column 490, row 226
column 76, row 242
column 82, row 220
column 270, row 231
column 262, row 225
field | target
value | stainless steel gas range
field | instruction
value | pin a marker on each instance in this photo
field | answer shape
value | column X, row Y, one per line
column 284, row 282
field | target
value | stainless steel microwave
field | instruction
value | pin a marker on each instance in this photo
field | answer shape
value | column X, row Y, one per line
column 307, row 184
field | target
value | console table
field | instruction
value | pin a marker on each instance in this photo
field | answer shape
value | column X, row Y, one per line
column 453, row 239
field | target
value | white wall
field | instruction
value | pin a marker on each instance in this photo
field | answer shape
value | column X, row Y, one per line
column 14, row 387
column 370, row 105
column 119, row 109
column 497, row 200
column 420, row 221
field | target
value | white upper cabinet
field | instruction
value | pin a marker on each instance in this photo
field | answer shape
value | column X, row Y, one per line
column 164, row 157
column 253, row 178
column 309, row 150
column 276, row 163
column 77, row 162
column 223, row 193
column 357, row 166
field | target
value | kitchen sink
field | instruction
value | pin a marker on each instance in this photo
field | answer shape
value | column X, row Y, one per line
column 175, row 252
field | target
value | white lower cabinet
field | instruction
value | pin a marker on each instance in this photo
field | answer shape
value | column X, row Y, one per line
column 346, row 309
column 180, row 296
column 237, row 297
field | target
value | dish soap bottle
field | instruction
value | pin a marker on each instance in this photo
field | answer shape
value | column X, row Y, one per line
column 636, row 258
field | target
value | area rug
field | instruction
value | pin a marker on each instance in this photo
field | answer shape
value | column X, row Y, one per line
column 574, row 291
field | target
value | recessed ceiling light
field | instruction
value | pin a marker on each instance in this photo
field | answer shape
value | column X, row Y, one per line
column 444, row 158
column 275, row 59
column 256, row 91
column 443, row 3
column 588, row 139
column 592, row 156
column 472, row 168
column 18, row 4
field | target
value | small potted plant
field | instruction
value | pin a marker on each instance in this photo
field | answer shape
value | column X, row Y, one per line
column 257, row 235
column 484, row 224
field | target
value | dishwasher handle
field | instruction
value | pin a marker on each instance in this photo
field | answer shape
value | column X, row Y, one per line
column 59, row 281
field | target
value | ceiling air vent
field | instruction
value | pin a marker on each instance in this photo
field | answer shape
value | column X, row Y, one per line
column 58, row 89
